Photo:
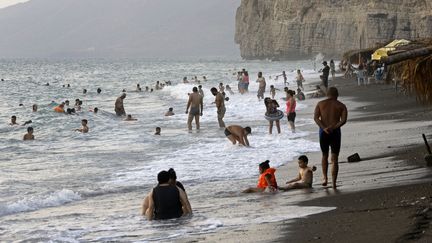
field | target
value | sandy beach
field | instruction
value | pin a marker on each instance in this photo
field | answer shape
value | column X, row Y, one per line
column 386, row 197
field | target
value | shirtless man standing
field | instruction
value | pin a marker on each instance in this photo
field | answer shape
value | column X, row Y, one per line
column 330, row 115
column 119, row 109
column 220, row 105
column 196, row 108
column 238, row 134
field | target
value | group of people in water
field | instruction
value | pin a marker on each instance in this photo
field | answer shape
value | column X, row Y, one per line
column 169, row 199
column 330, row 115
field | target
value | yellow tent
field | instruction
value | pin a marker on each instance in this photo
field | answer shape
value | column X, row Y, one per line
column 383, row 52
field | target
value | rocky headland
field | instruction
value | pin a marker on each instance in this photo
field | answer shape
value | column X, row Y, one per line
column 288, row 29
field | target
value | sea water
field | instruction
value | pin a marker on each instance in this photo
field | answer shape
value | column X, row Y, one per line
column 70, row 187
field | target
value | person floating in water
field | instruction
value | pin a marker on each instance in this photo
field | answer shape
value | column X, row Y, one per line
column 99, row 90
column 84, row 91
column 166, row 201
column 236, row 133
column 129, row 118
column 304, row 178
column 29, row 135
column 266, row 180
column 170, row 112
column 60, row 108
column 84, row 128
column 34, row 107
column 138, row 88
column 119, row 108
column 158, row 131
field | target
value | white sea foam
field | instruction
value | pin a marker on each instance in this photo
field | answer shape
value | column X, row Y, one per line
column 119, row 159
column 37, row 202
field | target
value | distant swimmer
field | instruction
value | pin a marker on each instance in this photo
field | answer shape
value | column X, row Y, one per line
column 195, row 103
column 238, row 134
column 84, row 128
column 220, row 105
column 47, row 84
column 185, row 81
column 84, row 91
column 119, row 108
column 13, row 121
column 99, row 90
column 166, row 201
column 138, row 88
column 60, row 108
column 94, row 110
column 330, row 115
column 228, row 88
column 304, row 178
column 129, row 118
column 66, row 103
column 170, row 112
column 158, row 131
column 204, row 79
column 34, row 107
column 29, row 135
column 266, row 180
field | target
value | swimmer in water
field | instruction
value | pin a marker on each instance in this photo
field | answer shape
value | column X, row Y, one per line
column 13, row 121
column 129, row 118
column 29, row 135
column 99, row 90
column 84, row 128
column 170, row 112
column 158, row 131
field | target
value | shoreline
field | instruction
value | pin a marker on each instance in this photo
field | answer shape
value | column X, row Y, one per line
column 386, row 128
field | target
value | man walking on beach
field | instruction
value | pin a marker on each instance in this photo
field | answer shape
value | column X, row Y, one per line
column 195, row 103
column 330, row 115
column 325, row 75
column 119, row 109
column 220, row 105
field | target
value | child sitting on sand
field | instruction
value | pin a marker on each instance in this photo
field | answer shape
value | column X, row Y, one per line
column 267, row 179
column 304, row 178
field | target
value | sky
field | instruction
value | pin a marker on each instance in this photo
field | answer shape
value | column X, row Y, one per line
column 118, row 28
column 6, row 3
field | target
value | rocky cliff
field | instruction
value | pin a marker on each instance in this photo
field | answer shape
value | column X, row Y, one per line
column 284, row 29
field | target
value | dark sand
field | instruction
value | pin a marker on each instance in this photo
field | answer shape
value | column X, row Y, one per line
column 386, row 197
column 399, row 213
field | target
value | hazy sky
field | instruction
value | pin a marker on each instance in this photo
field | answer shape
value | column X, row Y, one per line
column 5, row 3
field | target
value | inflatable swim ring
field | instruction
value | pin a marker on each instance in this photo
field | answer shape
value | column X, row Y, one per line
column 274, row 117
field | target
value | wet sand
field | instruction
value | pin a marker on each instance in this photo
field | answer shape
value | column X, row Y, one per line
column 383, row 198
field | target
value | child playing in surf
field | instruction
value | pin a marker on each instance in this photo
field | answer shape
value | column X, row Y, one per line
column 273, row 91
column 84, row 128
column 304, row 178
column 29, row 135
column 266, row 180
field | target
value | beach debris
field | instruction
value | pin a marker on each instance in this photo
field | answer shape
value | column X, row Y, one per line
column 354, row 158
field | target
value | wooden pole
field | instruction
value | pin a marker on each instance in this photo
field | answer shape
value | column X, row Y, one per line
column 427, row 144
column 407, row 55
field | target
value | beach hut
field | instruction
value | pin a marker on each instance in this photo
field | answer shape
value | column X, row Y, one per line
column 408, row 63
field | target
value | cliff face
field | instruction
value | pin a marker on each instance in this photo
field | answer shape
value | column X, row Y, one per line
column 284, row 29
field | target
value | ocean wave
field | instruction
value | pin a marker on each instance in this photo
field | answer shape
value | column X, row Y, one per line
column 34, row 203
